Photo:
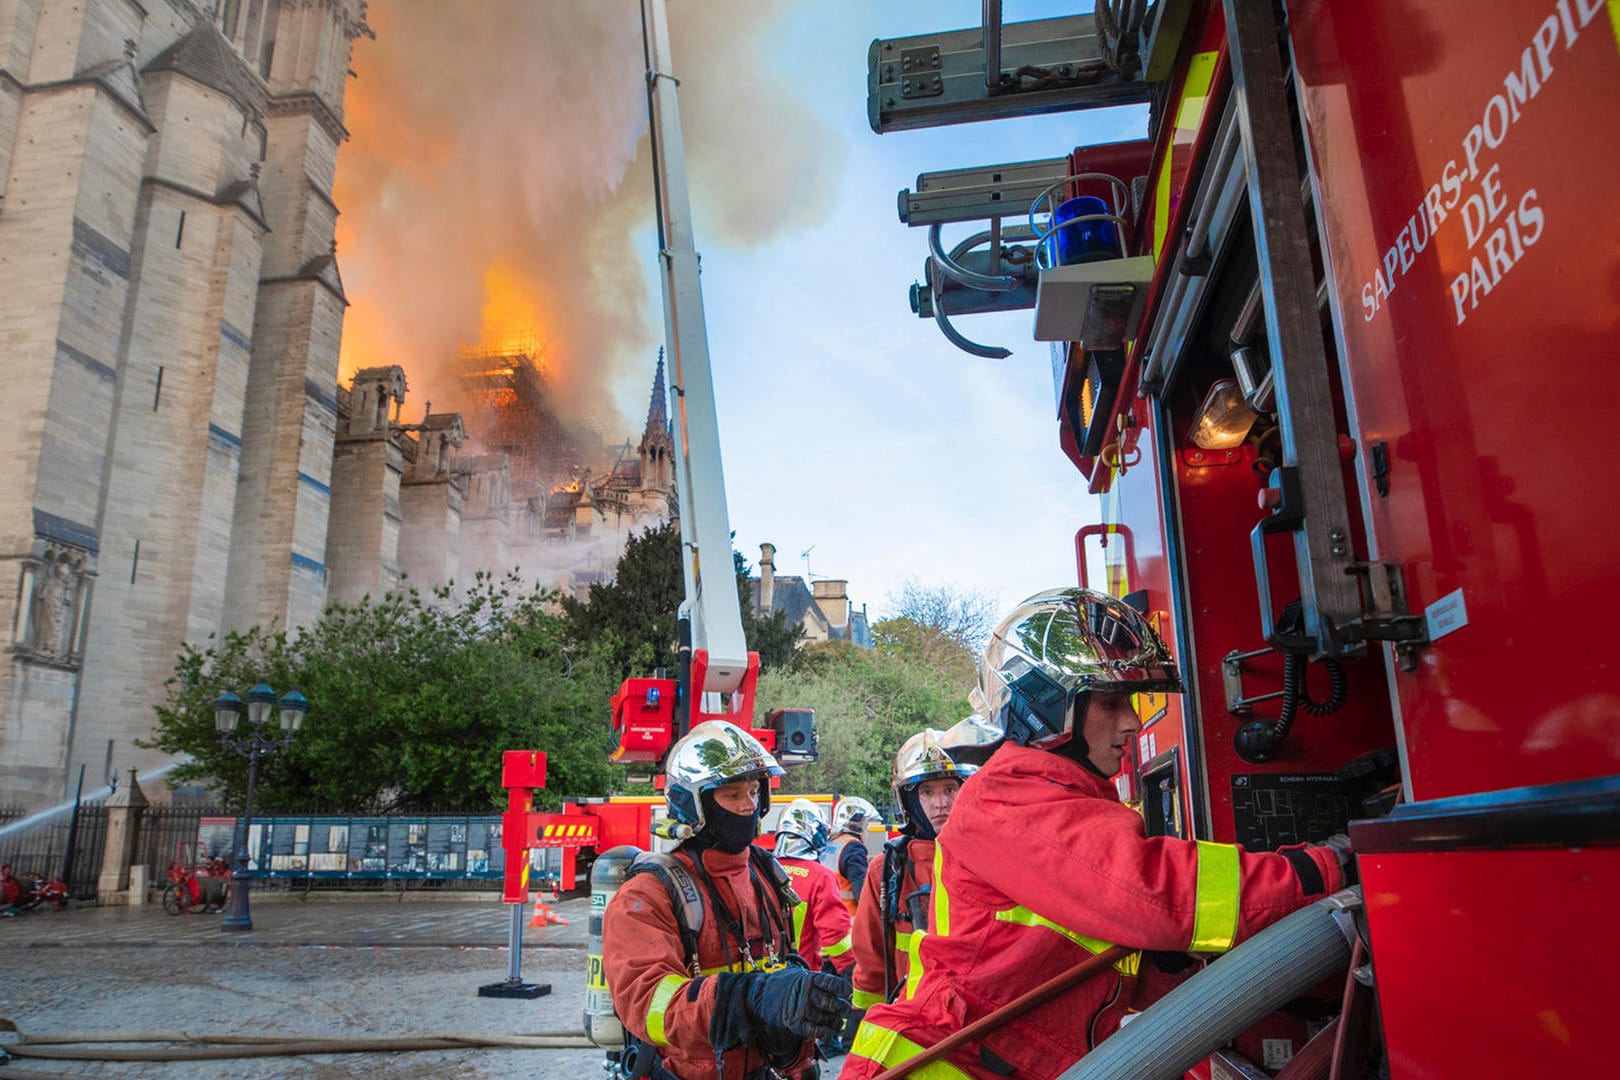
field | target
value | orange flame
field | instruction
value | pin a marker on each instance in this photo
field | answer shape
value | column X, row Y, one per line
column 496, row 177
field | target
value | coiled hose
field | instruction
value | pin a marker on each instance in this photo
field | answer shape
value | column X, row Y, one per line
column 1212, row 1007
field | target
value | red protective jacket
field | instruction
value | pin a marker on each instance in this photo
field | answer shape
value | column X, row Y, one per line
column 820, row 922
column 1039, row 867
column 657, row 998
column 870, row 975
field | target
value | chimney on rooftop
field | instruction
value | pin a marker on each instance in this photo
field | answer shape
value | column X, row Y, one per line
column 832, row 596
column 767, row 577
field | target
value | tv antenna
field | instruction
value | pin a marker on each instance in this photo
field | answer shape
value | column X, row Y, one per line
column 805, row 555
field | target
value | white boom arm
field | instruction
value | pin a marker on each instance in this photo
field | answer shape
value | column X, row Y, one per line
column 711, row 603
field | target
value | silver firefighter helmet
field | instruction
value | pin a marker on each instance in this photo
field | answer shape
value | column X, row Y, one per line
column 712, row 754
column 801, row 832
column 921, row 758
column 1061, row 644
column 853, row 814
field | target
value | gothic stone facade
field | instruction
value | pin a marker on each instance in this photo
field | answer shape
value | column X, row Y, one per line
column 170, row 312
column 410, row 508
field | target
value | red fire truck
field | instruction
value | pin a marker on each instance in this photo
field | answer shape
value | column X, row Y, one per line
column 1333, row 345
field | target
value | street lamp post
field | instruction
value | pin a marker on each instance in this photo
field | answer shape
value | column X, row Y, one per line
column 254, row 744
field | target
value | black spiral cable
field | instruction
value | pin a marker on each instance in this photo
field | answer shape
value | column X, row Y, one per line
column 1259, row 740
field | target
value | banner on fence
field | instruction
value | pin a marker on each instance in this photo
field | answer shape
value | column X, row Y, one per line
column 372, row 847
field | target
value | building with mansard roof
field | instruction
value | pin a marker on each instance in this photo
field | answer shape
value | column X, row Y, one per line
column 821, row 606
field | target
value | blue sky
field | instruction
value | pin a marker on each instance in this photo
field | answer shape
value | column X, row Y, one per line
column 849, row 424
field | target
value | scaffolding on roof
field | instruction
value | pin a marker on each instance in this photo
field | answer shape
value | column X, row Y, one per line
column 513, row 411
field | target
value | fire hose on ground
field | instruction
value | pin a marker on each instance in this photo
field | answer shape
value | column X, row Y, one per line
column 196, row 1046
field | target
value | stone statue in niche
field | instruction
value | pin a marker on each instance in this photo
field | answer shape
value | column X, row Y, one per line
column 53, row 614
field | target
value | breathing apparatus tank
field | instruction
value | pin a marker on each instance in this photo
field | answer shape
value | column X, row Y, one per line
column 602, row 1025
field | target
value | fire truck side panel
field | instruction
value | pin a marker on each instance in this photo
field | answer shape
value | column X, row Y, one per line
column 1137, row 562
column 1459, row 994
column 1464, row 163
column 1295, row 796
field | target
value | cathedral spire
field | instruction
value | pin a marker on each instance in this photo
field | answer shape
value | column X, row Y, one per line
column 658, row 407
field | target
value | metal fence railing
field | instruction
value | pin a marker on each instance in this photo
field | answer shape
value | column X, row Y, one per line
column 166, row 833
column 418, row 852
column 43, row 847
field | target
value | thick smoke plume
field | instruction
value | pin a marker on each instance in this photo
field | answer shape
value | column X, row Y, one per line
column 498, row 169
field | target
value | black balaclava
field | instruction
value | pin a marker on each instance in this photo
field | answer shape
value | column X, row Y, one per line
column 1076, row 749
column 725, row 831
column 917, row 824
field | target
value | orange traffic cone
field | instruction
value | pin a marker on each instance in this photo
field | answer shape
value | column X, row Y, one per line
column 543, row 916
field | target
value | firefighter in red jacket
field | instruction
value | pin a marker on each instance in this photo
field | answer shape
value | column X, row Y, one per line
column 820, row 920
column 1041, row 865
column 845, row 854
column 739, row 1005
column 896, row 901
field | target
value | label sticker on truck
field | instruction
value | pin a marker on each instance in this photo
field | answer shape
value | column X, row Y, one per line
column 1446, row 614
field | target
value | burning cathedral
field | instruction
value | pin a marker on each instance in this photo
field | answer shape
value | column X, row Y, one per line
column 181, row 460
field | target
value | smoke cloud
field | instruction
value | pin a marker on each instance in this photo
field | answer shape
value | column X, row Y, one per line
column 498, row 170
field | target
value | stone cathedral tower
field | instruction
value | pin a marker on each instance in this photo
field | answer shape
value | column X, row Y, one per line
column 170, row 314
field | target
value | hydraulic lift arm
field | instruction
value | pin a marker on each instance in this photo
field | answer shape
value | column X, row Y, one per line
column 711, row 605
column 650, row 714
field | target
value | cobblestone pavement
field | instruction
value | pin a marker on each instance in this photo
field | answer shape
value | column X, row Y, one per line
column 325, row 967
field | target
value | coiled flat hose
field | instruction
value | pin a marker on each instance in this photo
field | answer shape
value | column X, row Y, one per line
column 1209, row 1009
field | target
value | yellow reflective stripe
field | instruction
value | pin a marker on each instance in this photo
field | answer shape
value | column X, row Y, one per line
column 914, row 969
column 1614, row 17
column 1022, row 916
column 902, row 940
column 942, row 903
column 865, row 999
column 890, row 1048
column 1189, row 111
column 668, row 987
column 1216, row 917
column 800, row 910
column 840, row 947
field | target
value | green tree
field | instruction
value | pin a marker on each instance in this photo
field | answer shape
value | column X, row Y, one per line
column 927, row 645
column 634, row 614
column 964, row 616
column 867, row 702
column 636, row 611
column 412, row 703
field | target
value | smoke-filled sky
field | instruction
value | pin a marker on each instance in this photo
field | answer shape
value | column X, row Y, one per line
column 497, row 182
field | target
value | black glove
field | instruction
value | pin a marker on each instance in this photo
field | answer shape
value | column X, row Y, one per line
column 811, row 1006
column 1339, row 844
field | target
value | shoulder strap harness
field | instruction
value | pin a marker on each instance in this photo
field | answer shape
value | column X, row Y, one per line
column 687, row 898
column 683, row 896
